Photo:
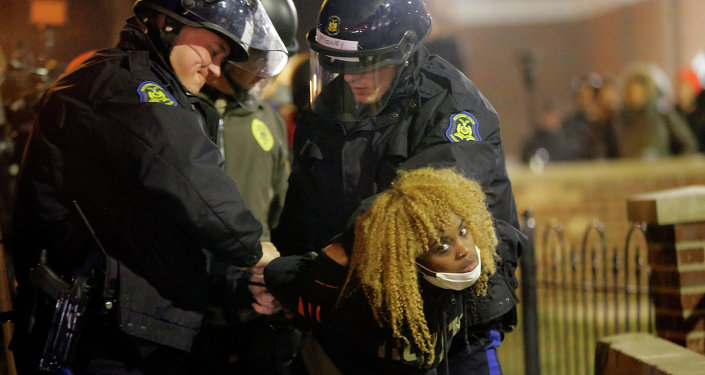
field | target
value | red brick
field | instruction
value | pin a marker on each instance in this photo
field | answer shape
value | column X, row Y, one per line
column 669, row 322
column 677, row 337
column 677, row 301
column 668, row 279
column 677, row 323
column 690, row 232
column 660, row 234
column 692, row 278
column 662, row 254
column 693, row 255
column 696, row 344
column 692, row 301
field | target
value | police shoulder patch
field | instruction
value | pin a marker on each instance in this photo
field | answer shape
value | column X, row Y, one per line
column 262, row 135
column 463, row 127
column 152, row 92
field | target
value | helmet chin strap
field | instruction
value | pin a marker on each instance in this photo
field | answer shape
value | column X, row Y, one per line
column 240, row 95
column 163, row 38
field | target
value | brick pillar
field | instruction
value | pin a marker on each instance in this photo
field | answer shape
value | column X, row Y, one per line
column 676, row 240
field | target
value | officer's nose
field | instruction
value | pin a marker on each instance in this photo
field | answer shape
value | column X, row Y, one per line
column 352, row 77
column 214, row 69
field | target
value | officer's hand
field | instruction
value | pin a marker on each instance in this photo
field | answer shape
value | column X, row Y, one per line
column 269, row 252
column 336, row 252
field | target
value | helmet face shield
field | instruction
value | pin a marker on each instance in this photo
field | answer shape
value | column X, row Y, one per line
column 232, row 19
column 261, row 63
column 350, row 94
column 348, row 84
column 268, row 54
column 245, row 22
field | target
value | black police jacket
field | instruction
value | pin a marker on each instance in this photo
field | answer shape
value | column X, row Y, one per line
column 435, row 117
column 120, row 137
column 351, row 338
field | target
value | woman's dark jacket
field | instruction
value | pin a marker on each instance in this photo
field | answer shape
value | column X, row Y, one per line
column 310, row 285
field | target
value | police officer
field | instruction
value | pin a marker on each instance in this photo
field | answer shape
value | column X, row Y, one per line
column 241, row 334
column 122, row 187
column 381, row 103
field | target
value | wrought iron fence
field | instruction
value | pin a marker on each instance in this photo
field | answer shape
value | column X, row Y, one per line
column 575, row 291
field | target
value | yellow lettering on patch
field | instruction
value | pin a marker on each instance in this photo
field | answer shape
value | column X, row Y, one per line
column 463, row 127
column 152, row 92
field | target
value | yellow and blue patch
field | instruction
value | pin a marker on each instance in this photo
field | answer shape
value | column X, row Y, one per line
column 152, row 92
column 463, row 127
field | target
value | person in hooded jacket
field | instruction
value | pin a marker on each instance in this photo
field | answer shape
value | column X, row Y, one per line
column 381, row 103
column 395, row 305
column 122, row 196
column 644, row 127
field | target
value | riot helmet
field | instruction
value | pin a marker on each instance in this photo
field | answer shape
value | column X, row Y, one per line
column 286, row 21
column 246, row 78
column 359, row 50
column 244, row 24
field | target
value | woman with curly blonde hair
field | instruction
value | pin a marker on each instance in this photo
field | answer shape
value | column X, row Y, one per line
column 429, row 222
column 397, row 306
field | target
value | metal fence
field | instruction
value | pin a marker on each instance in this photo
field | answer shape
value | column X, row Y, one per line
column 573, row 292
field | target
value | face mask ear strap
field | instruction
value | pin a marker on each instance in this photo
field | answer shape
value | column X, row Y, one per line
column 425, row 270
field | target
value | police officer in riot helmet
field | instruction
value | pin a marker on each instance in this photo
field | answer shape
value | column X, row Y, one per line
column 239, row 78
column 240, row 334
column 121, row 199
column 381, row 103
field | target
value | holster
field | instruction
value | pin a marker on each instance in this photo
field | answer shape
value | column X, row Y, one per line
column 68, row 319
column 66, row 326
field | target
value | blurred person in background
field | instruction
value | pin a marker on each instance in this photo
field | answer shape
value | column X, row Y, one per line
column 550, row 142
column 577, row 125
column 245, row 334
column 300, row 94
column 24, row 83
column 646, row 127
column 121, row 190
column 382, row 103
column 690, row 100
column 602, row 133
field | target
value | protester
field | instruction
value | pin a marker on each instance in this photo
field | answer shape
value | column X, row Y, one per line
column 646, row 127
column 396, row 304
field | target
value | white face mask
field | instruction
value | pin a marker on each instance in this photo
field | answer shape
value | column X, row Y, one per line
column 453, row 280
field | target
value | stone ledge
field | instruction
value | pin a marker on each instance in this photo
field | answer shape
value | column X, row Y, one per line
column 642, row 353
column 674, row 206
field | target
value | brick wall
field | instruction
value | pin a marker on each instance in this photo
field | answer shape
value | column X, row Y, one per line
column 677, row 258
column 676, row 243
column 641, row 353
column 576, row 193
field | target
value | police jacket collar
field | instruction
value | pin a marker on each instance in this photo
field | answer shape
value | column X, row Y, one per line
column 133, row 37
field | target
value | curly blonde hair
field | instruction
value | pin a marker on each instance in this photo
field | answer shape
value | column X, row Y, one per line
column 399, row 228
